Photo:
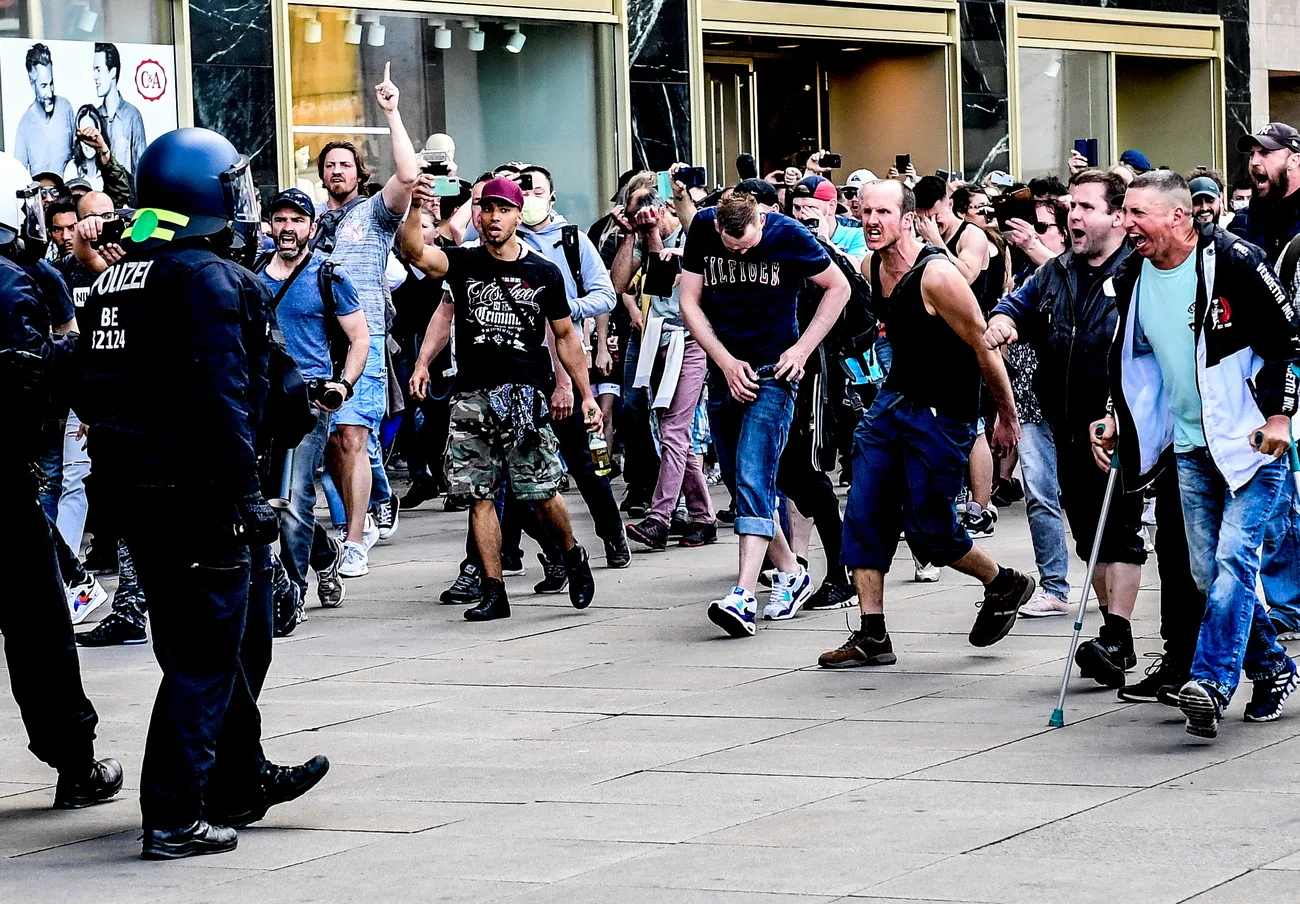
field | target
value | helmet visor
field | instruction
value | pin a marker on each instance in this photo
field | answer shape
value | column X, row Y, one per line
column 243, row 202
column 31, row 211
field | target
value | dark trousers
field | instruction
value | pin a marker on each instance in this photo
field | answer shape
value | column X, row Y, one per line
column 197, row 578
column 811, row 490
column 39, row 650
column 1182, row 605
column 640, row 460
column 595, row 490
column 1083, row 486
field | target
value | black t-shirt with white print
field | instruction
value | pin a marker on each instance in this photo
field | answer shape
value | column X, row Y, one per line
column 500, row 313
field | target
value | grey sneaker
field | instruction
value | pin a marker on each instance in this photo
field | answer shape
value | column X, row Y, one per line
column 329, row 586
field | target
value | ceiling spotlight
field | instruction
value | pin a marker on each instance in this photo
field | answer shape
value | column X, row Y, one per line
column 515, row 42
column 786, row 46
column 375, row 38
column 442, row 38
column 1053, row 68
column 352, row 33
column 719, row 43
column 369, row 18
column 476, row 39
column 311, row 32
column 849, row 49
column 86, row 21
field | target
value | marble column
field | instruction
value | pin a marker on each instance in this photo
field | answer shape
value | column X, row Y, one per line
column 234, row 78
column 660, row 83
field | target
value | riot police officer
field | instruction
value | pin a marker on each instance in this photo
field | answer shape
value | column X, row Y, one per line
column 34, row 619
column 177, row 340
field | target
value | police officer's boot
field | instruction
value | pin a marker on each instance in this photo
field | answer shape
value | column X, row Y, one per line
column 189, row 841
column 494, row 604
column 101, row 781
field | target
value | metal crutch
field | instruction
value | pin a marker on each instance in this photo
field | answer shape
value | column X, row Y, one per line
column 1058, row 714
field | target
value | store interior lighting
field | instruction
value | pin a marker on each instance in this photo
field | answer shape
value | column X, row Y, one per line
column 311, row 32
column 86, row 21
column 375, row 36
column 441, row 34
column 352, row 33
column 515, row 42
column 476, row 36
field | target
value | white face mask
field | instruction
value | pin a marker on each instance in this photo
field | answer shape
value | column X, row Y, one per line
column 535, row 210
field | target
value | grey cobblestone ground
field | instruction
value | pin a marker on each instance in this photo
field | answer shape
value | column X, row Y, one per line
column 630, row 754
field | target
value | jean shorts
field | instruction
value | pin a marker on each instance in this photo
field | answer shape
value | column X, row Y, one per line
column 369, row 400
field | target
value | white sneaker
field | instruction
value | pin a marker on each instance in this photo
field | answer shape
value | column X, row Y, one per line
column 1044, row 605
column 1149, row 513
column 734, row 613
column 85, row 598
column 789, row 593
column 1147, row 543
column 356, row 561
column 924, row 572
column 370, row 533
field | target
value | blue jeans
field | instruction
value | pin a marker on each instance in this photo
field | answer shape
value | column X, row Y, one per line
column 908, row 466
column 49, row 460
column 750, row 437
column 1224, row 534
column 302, row 541
column 1280, row 568
column 1043, row 505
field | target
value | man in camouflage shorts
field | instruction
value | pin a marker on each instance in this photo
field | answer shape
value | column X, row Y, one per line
column 502, row 296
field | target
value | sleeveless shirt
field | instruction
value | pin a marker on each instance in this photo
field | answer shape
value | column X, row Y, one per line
column 932, row 367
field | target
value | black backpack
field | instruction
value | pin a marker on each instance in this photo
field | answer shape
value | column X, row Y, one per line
column 326, row 276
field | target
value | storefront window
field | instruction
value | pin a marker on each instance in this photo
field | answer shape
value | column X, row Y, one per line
column 1064, row 96
column 537, row 104
column 71, row 64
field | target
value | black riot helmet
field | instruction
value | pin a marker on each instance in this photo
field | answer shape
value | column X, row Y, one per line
column 192, row 182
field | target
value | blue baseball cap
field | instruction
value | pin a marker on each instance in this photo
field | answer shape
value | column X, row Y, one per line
column 1136, row 159
column 293, row 197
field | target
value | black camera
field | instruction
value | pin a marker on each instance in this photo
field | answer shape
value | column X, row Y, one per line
column 326, row 396
column 436, row 163
column 692, row 176
column 526, row 181
column 111, row 230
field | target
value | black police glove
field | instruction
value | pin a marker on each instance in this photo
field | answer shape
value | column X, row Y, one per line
column 22, row 370
column 258, row 524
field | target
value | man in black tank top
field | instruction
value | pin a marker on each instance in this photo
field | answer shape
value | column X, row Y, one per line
column 912, row 446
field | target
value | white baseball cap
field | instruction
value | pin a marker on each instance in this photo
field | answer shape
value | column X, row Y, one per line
column 859, row 178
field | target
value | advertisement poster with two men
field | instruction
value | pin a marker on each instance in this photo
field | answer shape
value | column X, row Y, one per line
column 56, row 96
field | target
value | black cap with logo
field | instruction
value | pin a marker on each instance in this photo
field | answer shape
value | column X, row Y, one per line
column 1273, row 137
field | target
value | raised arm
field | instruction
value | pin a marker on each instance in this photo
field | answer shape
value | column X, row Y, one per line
column 428, row 259
column 406, row 163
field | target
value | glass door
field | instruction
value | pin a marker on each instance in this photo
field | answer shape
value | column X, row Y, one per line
column 729, row 110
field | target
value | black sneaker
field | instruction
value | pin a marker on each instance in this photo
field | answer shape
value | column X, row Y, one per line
column 466, row 589
column 649, row 533
column 700, row 534
column 188, row 841
column 280, row 784
column 727, row 515
column 1163, row 673
column 512, row 564
column 286, row 601
column 99, row 783
column 421, row 491
column 494, row 603
column 978, row 526
column 101, row 559
column 386, row 518
column 1005, row 491
column 1105, row 659
column 832, row 596
column 998, row 612
column 1202, row 708
column 679, row 525
column 617, row 554
column 582, row 586
column 114, row 630
column 1269, row 695
column 554, row 576
column 859, row 650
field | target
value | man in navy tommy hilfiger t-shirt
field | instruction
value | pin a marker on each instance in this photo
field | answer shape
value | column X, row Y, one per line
column 742, row 271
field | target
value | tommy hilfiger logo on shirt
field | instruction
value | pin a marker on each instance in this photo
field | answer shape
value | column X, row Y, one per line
column 722, row 271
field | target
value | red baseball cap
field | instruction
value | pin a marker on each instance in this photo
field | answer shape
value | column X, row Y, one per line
column 817, row 187
column 502, row 189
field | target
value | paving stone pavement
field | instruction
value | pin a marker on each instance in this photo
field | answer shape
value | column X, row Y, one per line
column 629, row 753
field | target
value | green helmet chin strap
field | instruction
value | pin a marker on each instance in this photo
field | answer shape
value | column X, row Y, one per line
column 148, row 224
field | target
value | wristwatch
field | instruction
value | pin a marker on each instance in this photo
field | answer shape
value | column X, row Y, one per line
column 344, row 381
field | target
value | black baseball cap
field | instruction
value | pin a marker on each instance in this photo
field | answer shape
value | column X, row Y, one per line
column 760, row 190
column 295, row 198
column 1273, row 137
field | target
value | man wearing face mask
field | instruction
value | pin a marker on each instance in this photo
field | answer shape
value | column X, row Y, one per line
column 590, row 293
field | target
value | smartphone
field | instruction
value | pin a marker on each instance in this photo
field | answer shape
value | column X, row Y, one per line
column 902, row 162
column 526, row 181
column 435, row 163
column 692, row 176
column 1016, row 205
column 660, row 275
column 1087, row 148
column 110, row 231
column 445, row 187
column 943, row 174
column 1002, row 180
column 832, row 161
column 1202, row 168
column 665, row 184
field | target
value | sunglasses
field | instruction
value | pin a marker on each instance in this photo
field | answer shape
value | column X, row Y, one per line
column 49, row 193
column 1041, row 227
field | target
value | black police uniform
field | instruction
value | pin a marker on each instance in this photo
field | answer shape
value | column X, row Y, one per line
column 38, row 641
column 176, row 357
